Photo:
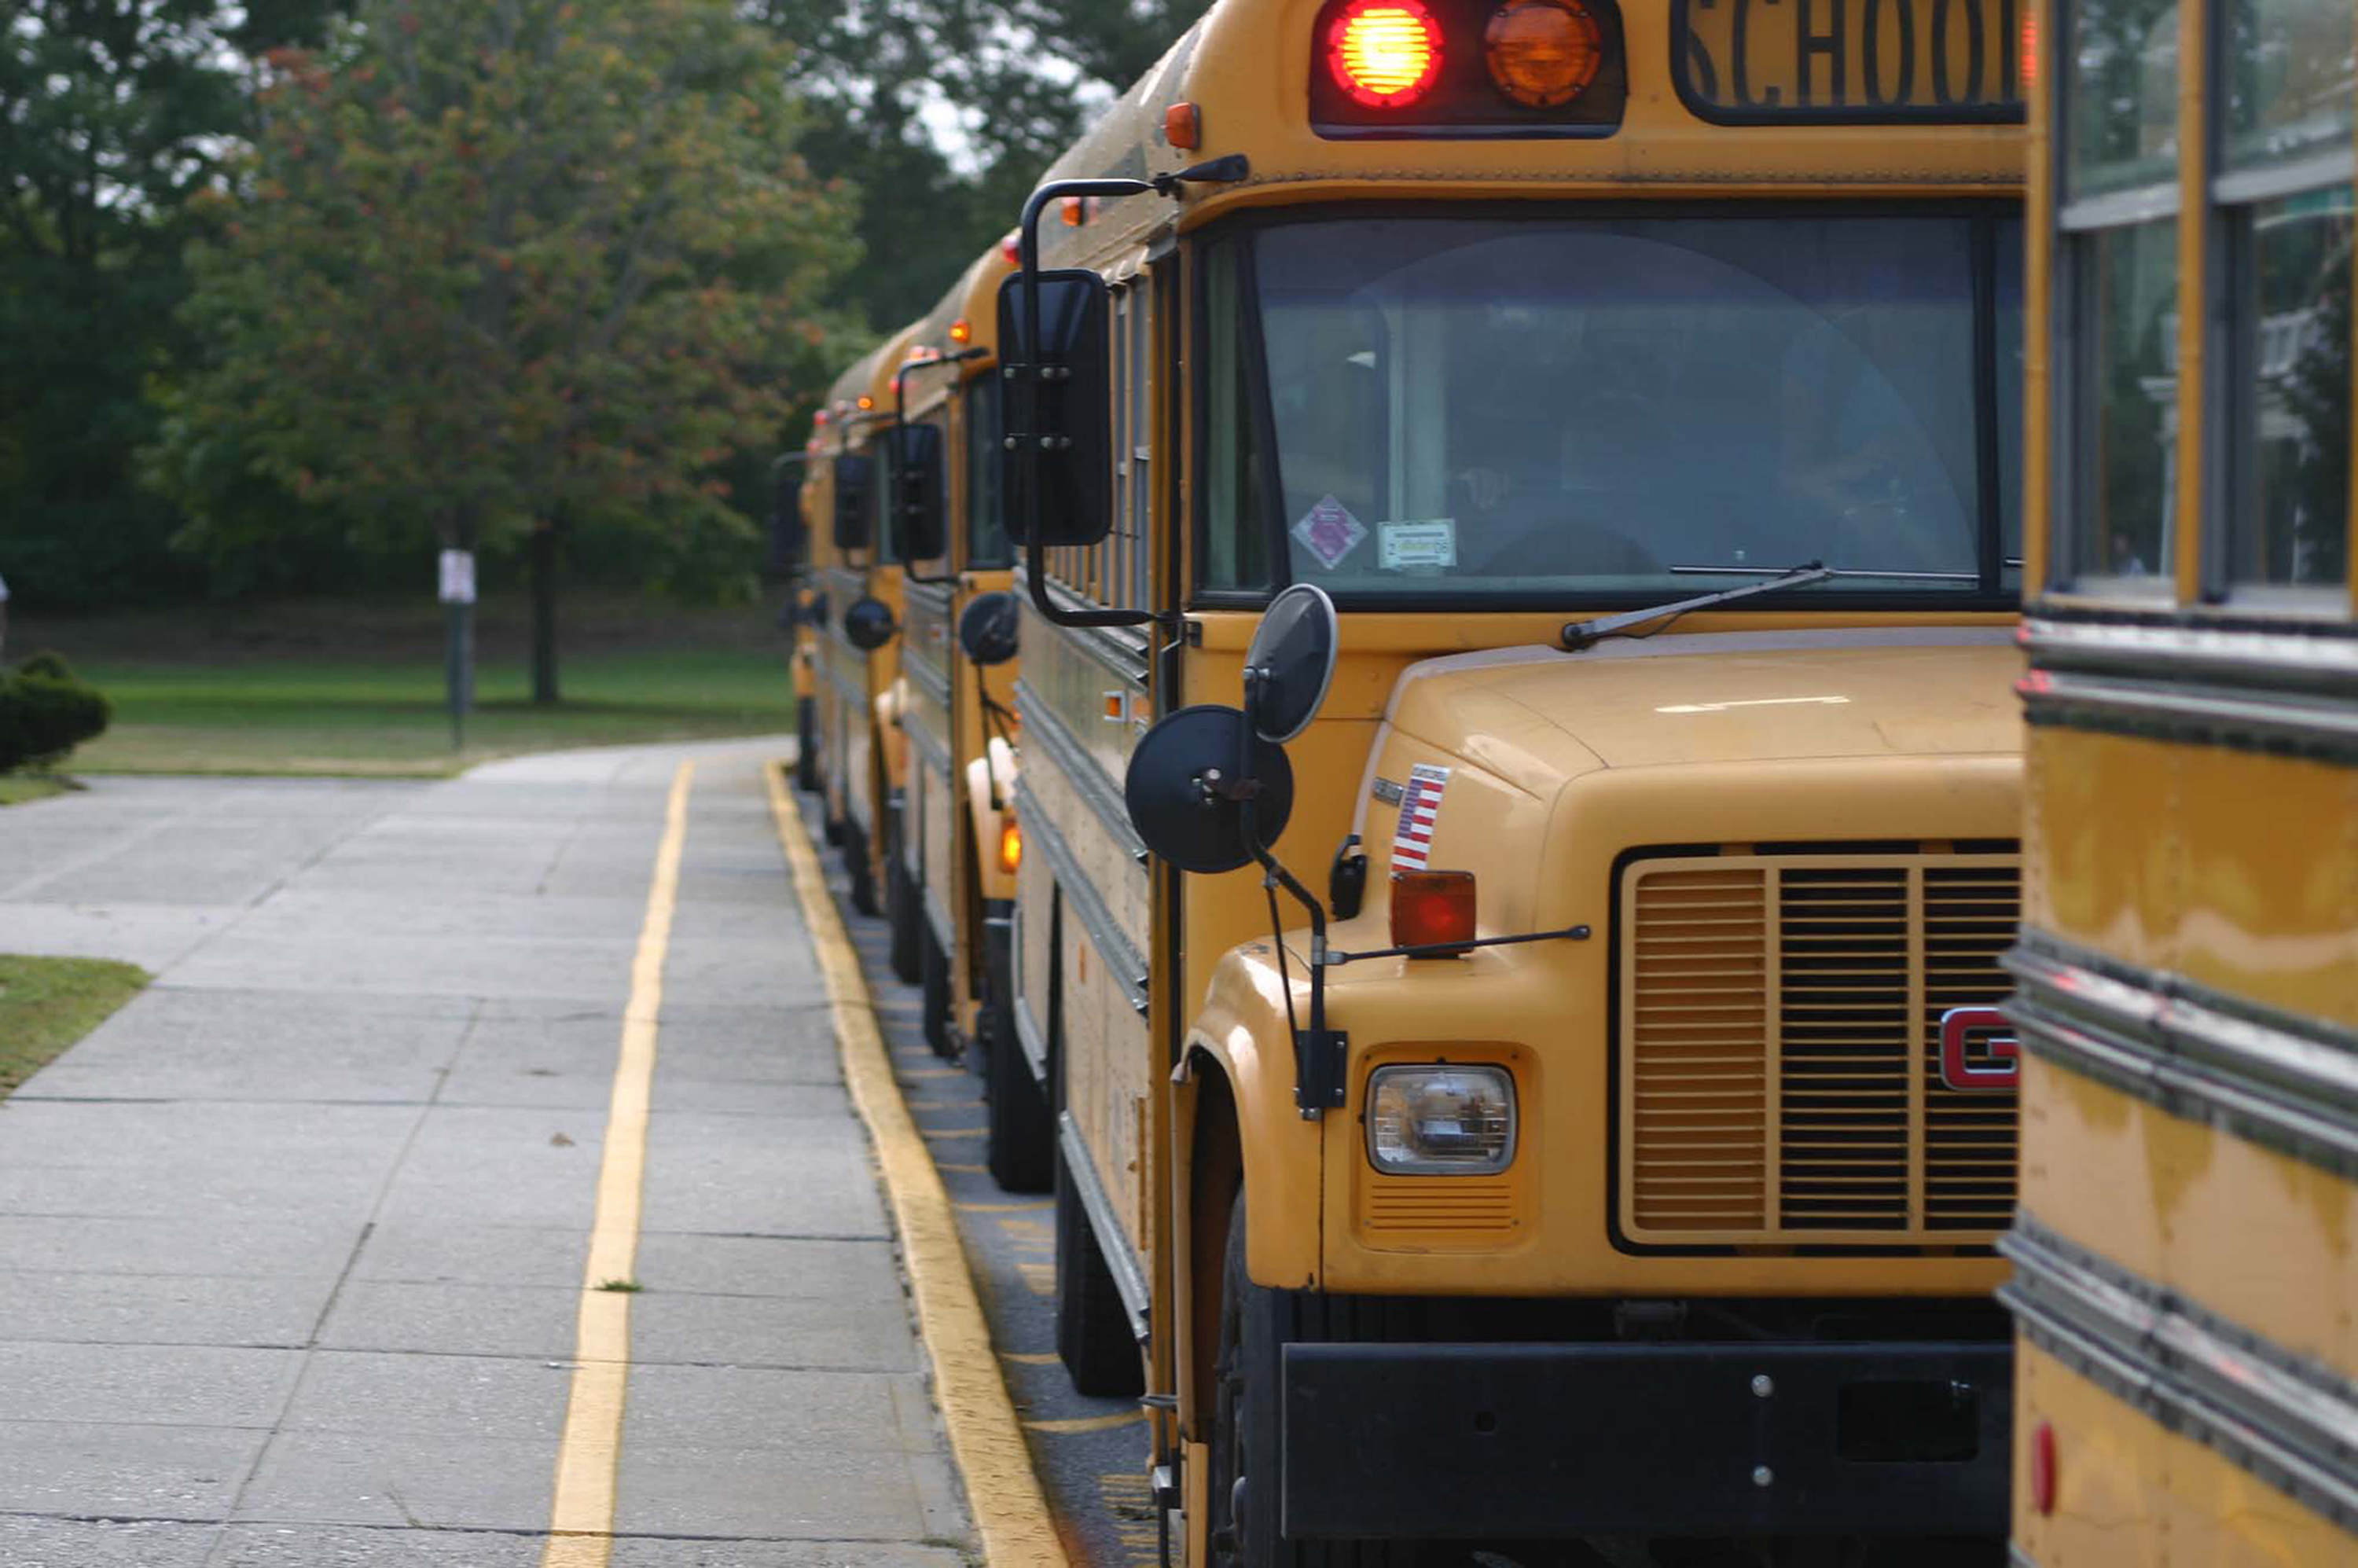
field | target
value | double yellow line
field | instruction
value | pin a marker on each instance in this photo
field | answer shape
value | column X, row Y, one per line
column 1003, row 1494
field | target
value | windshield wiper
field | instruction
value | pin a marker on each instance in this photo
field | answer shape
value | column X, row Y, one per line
column 1580, row 635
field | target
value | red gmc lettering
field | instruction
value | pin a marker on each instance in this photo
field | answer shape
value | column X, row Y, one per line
column 1961, row 1023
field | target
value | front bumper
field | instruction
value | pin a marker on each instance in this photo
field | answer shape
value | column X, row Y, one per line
column 1553, row 1441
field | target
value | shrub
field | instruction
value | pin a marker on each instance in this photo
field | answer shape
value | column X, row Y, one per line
column 47, row 664
column 43, row 718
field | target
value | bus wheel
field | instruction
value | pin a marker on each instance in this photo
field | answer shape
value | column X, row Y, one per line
column 863, row 874
column 1093, row 1335
column 901, row 909
column 806, row 746
column 933, row 971
column 1022, row 1138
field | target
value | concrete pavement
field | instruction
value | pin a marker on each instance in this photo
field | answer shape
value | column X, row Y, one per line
column 291, row 1249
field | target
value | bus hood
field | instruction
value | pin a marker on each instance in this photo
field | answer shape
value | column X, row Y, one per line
column 1537, row 718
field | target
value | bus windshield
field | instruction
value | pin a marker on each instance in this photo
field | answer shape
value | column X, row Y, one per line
column 1600, row 408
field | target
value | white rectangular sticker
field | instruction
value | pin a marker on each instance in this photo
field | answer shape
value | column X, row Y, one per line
column 1404, row 546
column 1420, row 811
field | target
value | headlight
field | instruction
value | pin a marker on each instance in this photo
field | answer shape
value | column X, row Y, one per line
column 1441, row 1121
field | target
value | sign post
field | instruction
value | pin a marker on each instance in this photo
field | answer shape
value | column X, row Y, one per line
column 458, row 594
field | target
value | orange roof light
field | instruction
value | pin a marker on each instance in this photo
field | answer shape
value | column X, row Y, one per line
column 1433, row 909
column 1384, row 53
column 1542, row 52
column 1075, row 212
column 961, row 330
column 866, row 402
column 1183, row 126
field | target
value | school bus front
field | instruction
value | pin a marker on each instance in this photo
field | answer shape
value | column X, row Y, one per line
column 1643, row 1201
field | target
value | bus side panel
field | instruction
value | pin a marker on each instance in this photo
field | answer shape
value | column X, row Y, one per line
column 2128, row 1490
column 2202, row 861
column 2264, row 1240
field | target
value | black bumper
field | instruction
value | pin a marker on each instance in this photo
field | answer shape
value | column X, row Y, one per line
column 1550, row 1441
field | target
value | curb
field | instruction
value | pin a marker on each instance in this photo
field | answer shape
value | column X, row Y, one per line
column 1010, row 1510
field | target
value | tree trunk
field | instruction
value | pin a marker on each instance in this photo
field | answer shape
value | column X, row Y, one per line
column 544, row 612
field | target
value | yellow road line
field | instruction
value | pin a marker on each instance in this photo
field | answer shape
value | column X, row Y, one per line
column 1011, row 1514
column 581, row 1515
column 1087, row 1423
column 1031, row 1357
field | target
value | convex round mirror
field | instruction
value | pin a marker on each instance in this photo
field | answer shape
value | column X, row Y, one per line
column 1293, row 648
column 988, row 628
column 867, row 625
column 1171, row 789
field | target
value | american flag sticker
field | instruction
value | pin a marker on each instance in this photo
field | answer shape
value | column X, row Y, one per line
column 1419, row 809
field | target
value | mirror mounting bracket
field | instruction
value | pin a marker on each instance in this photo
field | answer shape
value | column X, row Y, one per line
column 1214, row 171
column 901, row 417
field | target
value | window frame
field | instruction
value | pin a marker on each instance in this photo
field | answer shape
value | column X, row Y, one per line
column 2228, row 513
column 1235, row 235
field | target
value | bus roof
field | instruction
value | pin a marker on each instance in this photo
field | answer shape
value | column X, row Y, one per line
column 1248, row 67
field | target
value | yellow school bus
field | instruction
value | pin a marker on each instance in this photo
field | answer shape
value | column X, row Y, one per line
column 1498, row 1075
column 2187, row 978
column 861, row 762
column 952, row 889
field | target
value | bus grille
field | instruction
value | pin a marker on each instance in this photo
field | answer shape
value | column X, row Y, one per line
column 1779, row 1049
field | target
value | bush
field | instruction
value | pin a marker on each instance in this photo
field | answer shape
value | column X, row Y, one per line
column 43, row 717
column 47, row 664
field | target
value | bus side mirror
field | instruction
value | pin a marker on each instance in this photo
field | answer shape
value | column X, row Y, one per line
column 1057, row 462
column 786, row 541
column 919, row 516
column 852, row 475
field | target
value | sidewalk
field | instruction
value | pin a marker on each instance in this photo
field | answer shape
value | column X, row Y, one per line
column 292, row 1249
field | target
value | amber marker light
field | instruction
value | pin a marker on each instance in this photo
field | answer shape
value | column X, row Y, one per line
column 961, row 331
column 1183, row 126
column 865, row 402
column 1433, row 909
column 1384, row 53
column 1010, row 846
column 1542, row 52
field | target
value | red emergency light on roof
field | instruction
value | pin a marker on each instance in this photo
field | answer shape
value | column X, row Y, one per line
column 1384, row 53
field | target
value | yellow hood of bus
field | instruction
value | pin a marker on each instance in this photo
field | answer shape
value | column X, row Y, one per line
column 1536, row 718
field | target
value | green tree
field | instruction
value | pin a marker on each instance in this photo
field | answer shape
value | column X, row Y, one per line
column 1023, row 78
column 113, row 114
column 506, row 268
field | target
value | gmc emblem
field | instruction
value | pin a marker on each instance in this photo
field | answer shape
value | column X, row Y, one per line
column 1999, row 1065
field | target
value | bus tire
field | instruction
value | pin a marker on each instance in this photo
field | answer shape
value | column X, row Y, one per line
column 863, row 874
column 1256, row 1325
column 934, row 974
column 1023, row 1136
column 902, row 910
column 806, row 746
column 1093, row 1335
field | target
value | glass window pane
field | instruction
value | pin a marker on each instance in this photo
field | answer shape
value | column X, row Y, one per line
column 1630, row 403
column 1234, row 537
column 2119, row 97
column 987, row 542
column 2128, row 393
column 2291, row 462
column 2290, row 73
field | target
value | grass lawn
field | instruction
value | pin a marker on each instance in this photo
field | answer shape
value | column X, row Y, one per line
column 356, row 688
column 47, row 1004
column 15, row 789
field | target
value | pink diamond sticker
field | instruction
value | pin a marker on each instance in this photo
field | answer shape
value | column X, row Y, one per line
column 1329, row 532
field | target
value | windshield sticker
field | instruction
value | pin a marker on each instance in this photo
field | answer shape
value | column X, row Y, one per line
column 1329, row 532
column 1420, row 810
column 1406, row 546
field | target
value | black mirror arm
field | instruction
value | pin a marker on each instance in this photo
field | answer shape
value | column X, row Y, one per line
column 901, row 417
column 1318, row 1052
column 1220, row 170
